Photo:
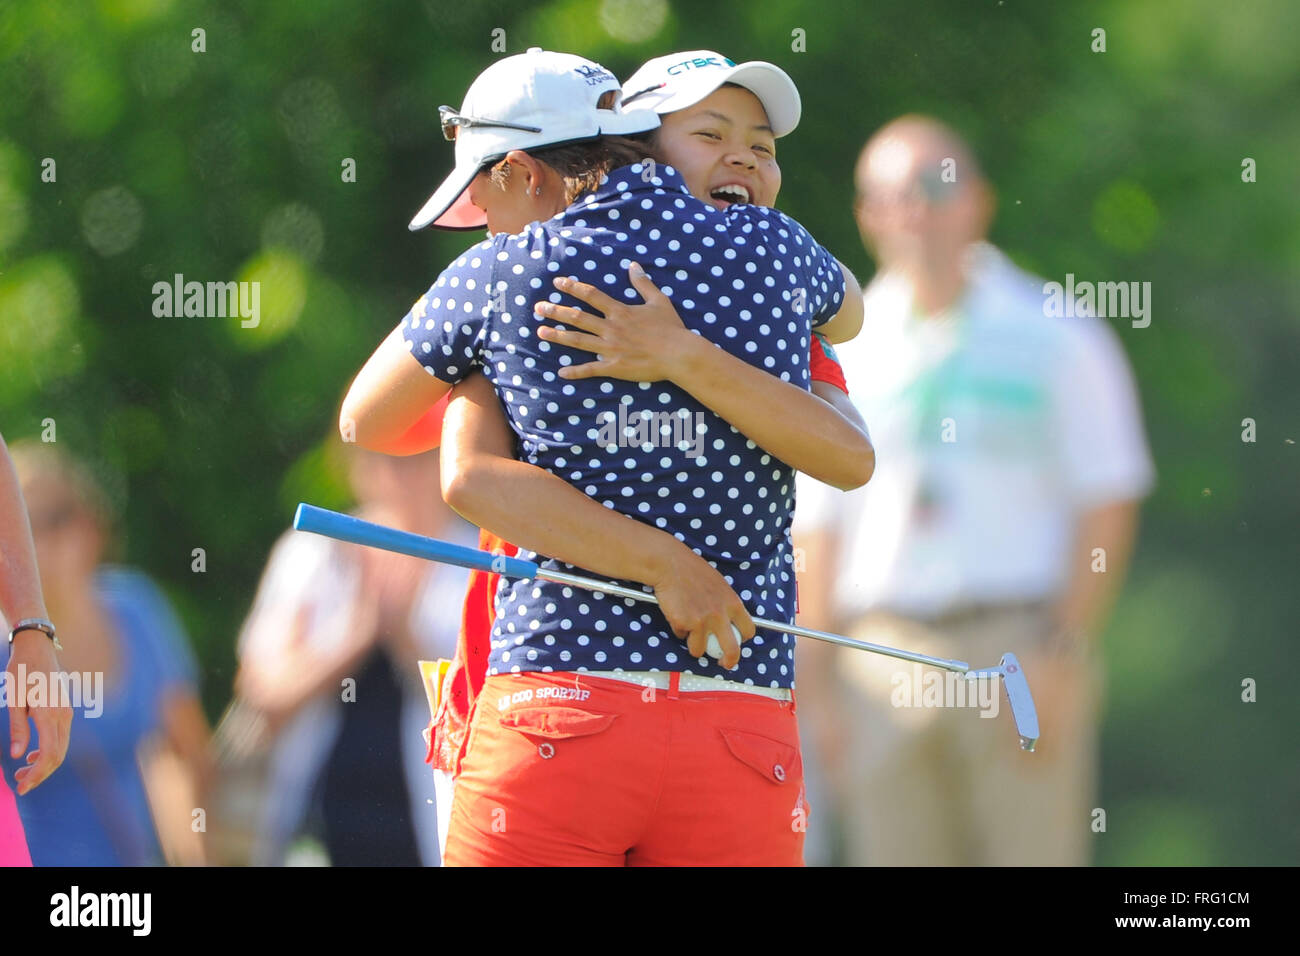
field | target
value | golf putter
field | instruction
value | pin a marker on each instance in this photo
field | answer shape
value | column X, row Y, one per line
column 343, row 527
column 1018, row 696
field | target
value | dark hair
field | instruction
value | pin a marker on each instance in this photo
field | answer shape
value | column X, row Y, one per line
column 582, row 165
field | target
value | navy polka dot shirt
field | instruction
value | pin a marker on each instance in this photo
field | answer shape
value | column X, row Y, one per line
column 747, row 278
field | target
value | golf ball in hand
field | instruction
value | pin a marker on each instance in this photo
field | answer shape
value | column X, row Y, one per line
column 714, row 648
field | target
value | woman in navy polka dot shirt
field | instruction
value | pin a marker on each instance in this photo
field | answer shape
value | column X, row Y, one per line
column 746, row 279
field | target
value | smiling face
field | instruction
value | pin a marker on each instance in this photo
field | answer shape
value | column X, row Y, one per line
column 724, row 149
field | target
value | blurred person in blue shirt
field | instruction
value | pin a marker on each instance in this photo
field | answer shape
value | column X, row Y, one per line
column 139, row 703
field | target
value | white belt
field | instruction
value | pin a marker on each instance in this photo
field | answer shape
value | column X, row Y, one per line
column 692, row 682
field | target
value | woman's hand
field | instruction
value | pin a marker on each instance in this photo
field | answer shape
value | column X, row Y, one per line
column 638, row 343
column 33, row 653
column 697, row 601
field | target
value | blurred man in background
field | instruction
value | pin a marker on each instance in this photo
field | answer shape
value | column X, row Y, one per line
column 1001, row 517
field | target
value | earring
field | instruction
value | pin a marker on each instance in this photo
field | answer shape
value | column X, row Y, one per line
column 537, row 191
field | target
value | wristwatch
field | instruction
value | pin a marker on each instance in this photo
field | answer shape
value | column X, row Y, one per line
column 41, row 624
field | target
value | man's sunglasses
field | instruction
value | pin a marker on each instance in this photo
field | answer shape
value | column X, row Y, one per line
column 931, row 186
column 452, row 121
column 928, row 186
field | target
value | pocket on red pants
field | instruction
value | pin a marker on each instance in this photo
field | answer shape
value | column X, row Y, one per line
column 777, row 762
column 543, row 725
column 553, row 785
column 774, row 760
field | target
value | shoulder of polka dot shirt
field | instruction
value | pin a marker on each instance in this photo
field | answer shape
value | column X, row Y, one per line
column 471, row 258
column 781, row 235
column 458, row 301
column 772, row 221
column 666, row 180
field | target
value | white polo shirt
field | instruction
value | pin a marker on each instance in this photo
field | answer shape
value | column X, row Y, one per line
column 994, row 426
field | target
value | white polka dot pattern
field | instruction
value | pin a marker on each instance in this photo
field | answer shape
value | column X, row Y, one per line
column 749, row 279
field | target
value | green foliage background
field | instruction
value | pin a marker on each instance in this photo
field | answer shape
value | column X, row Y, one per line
column 1117, row 165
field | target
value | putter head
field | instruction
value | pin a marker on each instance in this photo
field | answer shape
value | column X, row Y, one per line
column 1018, row 695
column 1020, row 699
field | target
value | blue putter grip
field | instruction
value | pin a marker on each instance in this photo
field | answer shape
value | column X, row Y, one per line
column 331, row 524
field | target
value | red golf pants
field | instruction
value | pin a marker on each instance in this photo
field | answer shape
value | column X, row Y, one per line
column 563, row 769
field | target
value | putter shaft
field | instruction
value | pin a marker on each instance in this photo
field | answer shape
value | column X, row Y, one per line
column 960, row 667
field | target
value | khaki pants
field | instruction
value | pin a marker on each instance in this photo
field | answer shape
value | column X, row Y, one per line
column 944, row 786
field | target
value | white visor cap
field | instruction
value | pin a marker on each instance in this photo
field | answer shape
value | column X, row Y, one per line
column 539, row 98
column 670, row 83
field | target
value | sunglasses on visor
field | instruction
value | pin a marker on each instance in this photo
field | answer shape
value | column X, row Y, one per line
column 453, row 121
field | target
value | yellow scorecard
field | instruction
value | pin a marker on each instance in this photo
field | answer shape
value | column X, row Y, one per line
column 431, row 674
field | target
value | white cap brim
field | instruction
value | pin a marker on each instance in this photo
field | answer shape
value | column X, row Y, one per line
column 629, row 123
column 449, row 207
column 774, row 89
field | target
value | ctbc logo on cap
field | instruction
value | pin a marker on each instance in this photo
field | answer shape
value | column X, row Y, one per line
column 594, row 75
column 697, row 63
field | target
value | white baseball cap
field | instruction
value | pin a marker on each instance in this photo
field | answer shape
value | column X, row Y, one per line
column 670, row 83
column 530, row 100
